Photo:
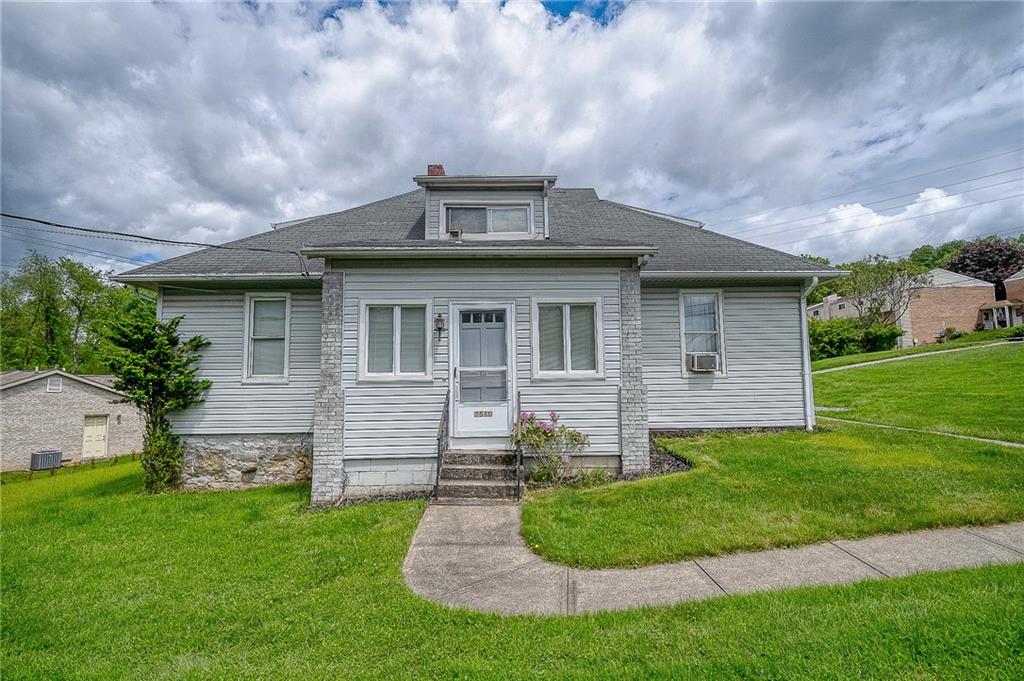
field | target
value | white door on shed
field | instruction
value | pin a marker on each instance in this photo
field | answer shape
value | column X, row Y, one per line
column 94, row 438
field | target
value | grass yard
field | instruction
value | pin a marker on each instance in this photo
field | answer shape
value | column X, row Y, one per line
column 967, row 340
column 978, row 393
column 755, row 491
column 101, row 581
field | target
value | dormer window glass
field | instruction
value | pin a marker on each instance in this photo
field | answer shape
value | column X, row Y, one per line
column 466, row 220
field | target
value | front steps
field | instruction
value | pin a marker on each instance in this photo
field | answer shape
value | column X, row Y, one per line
column 477, row 474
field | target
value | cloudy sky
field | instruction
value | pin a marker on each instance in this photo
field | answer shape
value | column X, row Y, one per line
column 835, row 129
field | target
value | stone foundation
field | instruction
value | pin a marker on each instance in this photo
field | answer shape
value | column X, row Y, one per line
column 237, row 461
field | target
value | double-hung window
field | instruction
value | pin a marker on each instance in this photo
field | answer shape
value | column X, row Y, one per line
column 488, row 220
column 267, row 332
column 701, row 314
column 396, row 340
column 566, row 338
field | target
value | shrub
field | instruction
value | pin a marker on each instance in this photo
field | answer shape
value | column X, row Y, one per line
column 551, row 443
column 847, row 336
column 880, row 337
column 833, row 337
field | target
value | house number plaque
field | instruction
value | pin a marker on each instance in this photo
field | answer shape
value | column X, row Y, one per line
column 483, row 414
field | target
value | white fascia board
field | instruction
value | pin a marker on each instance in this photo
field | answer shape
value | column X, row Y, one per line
column 476, row 252
column 745, row 274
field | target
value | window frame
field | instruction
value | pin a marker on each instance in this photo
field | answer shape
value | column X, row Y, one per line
column 719, row 295
column 247, row 339
column 528, row 204
column 364, row 339
column 568, row 372
column 60, row 384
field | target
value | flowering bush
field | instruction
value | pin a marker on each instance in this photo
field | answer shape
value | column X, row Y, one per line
column 551, row 442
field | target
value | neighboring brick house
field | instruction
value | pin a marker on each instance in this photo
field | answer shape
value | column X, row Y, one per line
column 950, row 301
column 55, row 410
column 1015, row 286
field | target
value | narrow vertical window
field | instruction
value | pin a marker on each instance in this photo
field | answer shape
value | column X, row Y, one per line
column 551, row 340
column 267, row 344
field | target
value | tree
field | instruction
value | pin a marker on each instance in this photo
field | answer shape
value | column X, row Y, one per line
column 992, row 259
column 929, row 257
column 53, row 313
column 156, row 371
column 881, row 289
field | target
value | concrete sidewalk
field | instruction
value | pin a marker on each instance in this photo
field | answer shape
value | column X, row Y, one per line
column 473, row 557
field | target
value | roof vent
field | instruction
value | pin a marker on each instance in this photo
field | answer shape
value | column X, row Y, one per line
column 435, row 170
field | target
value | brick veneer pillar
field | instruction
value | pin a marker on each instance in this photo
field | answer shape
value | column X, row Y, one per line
column 632, row 391
column 329, row 410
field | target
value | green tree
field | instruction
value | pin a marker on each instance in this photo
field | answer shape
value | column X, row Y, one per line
column 929, row 257
column 991, row 259
column 53, row 312
column 880, row 288
column 156, row 371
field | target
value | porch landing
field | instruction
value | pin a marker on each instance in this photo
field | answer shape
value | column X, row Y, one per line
column 472, row 556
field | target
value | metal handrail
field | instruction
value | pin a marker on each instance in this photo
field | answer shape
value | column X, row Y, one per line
column 519, row 452
column 442, row 442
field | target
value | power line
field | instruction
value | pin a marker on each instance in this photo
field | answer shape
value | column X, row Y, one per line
column 892, row 222
column 76, row 249
column 843, row 218
column 899, row 196
column 1010, row 230
column 160, row 240
column 860, row 189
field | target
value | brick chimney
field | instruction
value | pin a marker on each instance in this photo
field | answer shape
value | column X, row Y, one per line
column 435, row 170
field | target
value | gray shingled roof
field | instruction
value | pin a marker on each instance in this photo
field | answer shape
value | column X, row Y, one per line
column 577, row 217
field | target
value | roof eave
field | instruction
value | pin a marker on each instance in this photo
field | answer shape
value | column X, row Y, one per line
column 485, row 182
column 58, row 372
column 822, row 275
column 201, row 277
column 456, row 252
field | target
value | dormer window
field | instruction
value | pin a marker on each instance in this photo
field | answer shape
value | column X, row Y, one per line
column 497, row 220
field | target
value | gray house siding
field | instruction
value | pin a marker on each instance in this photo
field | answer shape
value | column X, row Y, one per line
column 391, row 420
column 232, row 406
column 435, row 197
column 763, row 383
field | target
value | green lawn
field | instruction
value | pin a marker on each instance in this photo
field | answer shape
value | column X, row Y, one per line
column 754, row 491
column 975, row 338
column 979, row 393
column 101, row 581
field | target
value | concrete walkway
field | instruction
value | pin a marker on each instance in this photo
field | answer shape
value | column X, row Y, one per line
column 915, row 355
column 473, row 557
column 988, row 441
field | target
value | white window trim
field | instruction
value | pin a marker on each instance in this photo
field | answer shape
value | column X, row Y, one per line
column 496, row 203
column 60, row 384
column 364, row 336
column 719, row 323
column 250, row 298
column 568, row 373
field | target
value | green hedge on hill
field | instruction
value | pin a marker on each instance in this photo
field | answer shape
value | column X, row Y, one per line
column 843, row 336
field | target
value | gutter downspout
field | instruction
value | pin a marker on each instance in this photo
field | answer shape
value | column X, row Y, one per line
column 547, row 233
column 805, row 350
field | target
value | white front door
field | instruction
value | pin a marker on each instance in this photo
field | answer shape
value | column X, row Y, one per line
column 481, row 370
column 94, row 438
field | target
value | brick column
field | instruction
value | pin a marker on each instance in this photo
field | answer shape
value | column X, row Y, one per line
column 329, row 409
column 633, row 433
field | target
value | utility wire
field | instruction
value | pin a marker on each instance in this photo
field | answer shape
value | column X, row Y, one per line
column 1010, row 230
column 843, row 218
column 893, row 198
column 160, row 240
column 72, row 247
column 892, row 222
column 864, row 189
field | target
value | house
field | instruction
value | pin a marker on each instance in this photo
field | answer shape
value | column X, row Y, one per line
column 1010, row 310
column 949, row 301
column 831, row 306
column 1014, row 285
column 366, row 347
column 57, row 410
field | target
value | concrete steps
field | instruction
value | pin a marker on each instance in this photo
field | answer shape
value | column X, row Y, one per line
column 468, row 474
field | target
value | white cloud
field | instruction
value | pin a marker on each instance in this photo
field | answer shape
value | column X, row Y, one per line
column 212, row 120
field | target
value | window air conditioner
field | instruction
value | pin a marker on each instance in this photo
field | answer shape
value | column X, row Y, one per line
column 702, row 361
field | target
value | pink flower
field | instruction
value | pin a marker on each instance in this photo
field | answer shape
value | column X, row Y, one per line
column 565, row 458
column 553, row 414
column 523, row 416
